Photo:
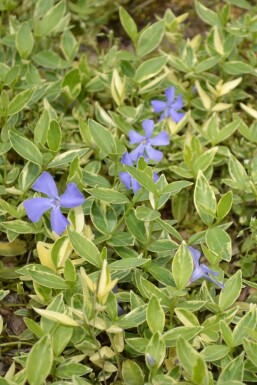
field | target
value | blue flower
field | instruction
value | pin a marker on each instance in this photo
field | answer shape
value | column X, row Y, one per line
column 127, row 179
column 170, row 107
column 201, row 270
column 36, row 207
column 146, row 142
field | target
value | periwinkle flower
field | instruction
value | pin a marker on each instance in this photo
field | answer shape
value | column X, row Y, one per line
column 170, row 107
column 146, row 142
column 201, row 270
column 127, row 179
column 36, row 207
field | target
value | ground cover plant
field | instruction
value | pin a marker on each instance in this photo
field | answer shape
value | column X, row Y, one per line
column 128, row 172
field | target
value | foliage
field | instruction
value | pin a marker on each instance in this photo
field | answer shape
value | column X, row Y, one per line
column 118, row 297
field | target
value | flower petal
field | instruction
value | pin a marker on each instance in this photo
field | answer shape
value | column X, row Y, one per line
column 195, row 254
column 135, row 137
column 137, row 152
column 163, row 116
column 126, row 159
column 178, row 104
column 209, row 278
column 135, row 185
column 170, row 94
column 162, row 139
column 35, row 207
column 158, row 105
column 58, row 221
column 46, row 184
column 154, row 154
column 197, row 274
column 72, row 197
column 125, row 177
column 176, row 116
column 155, row 177
column 148, row 126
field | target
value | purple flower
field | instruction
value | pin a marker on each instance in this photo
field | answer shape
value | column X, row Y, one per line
column 127, row 179
column 35, row 207
column 146, row 142
column 171, row 107
column 201, row 270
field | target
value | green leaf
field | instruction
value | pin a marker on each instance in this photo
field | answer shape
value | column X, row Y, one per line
column 136, row 227
column 40, row 358
column 134, row 318
column 146, row 214
column 66, row 157
column 237, row 68
column 150, row 68
column 234, row 370
column 72, row 83
column 204, row 160
column 20, row 101
column 246, row 323
column 250, row 348
column 155, row 351
column 155, row 315
column 207, row 15
column 206, row 64
column 231, row 291
column 186, row 317
column 224, row 205
column 237, row 171
column 69, row 369
column 20, row 227
column 162, row 245
column 24, row 41
column 127, row 263
column 192, row 362
column 108, row 195
column 102, row 137
column 128, row 23
column 187, row 332
column 132, row 374
column 226, row 132
column 51, row 19
column 175, row 187
column 142, row 178
column 60, row 338
column 25, row 148
column 85, row 248
column 182, row 266
column 204, row 199
column 214, row 352
column 48, row 279
column 103, row 218
column 150, row 38
column 49, row 59
column 220, row 242
column 168, row 227
column 240, row 3
column 41, row 129
column 54, row 136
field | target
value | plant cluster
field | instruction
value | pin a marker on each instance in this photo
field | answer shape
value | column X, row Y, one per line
column 128, row 184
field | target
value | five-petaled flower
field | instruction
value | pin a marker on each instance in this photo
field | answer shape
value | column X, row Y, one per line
column 146, row 142
column 36, row 207
column 170, row 107
column 201, row 270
